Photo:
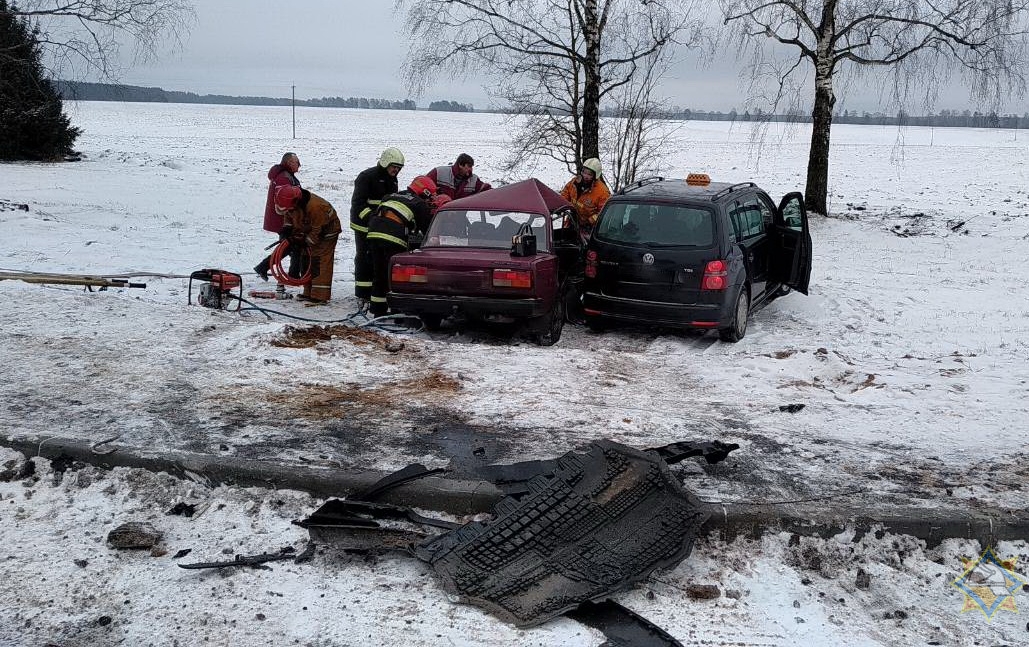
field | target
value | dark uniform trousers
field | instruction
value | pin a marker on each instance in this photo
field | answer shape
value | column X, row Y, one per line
column 362, row 266
column 381, row 253
column 370, row 186
column 399, row 214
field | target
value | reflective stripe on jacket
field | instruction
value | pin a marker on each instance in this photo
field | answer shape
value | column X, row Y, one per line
column 370, row 186
column 397, row 216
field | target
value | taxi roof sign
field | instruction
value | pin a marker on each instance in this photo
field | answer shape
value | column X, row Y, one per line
column 698, row 179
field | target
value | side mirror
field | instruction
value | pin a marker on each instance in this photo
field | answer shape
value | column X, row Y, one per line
column 415, row 240
column 523, row 245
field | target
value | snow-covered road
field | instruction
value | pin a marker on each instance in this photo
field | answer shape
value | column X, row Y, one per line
column 909, row 355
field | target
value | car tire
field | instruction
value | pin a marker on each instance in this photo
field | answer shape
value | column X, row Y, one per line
column 431, row 321
column 740, row 316
column 595, row 324
column 550, row 325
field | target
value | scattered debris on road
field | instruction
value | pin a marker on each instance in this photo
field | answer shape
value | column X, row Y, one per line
column 258, row 561
column 570, row 530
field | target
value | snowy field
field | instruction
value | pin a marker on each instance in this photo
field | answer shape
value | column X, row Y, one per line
column 909, row 356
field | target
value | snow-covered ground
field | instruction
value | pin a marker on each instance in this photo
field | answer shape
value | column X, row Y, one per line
column 909, row 356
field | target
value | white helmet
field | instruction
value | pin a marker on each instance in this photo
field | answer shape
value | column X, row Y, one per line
column 390, row 157
column 593, row 164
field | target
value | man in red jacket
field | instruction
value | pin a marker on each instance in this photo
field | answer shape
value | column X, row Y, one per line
column 458, row 181
column 282, row 174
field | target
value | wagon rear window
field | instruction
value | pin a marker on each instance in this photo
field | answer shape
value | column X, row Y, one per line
column 657, row 225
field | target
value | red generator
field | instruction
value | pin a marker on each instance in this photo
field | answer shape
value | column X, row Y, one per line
column 219, row 289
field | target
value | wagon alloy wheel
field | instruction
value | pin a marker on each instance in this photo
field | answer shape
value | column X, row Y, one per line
column 738, row 328
column 552, row 323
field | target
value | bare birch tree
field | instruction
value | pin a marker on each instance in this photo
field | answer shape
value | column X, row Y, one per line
column 638, row 133
column 914, row 40
column 552, row 62
column 87, row 35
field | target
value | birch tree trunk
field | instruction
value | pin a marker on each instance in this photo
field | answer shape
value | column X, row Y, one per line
column 816, row 192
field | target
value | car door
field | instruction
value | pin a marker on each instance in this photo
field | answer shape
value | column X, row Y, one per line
column 793, row 266
column 753, row 222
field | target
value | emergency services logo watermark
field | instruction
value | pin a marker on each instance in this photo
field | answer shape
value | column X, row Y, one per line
column 989, row 584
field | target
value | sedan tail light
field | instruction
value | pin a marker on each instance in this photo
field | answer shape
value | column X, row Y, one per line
column 409, row 274
column 716, row 276
column 512, row 279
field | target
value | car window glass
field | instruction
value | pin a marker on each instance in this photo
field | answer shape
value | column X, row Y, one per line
column 657, row 225
column 791, row 215
column 492, row 229
column 748, row 218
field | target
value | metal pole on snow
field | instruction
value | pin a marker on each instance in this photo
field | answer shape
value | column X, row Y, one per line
column 294, row 111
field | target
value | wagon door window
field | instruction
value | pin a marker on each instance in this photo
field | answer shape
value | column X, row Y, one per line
column 748, row 218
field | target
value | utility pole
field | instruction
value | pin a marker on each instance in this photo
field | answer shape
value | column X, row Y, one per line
column 294, row 111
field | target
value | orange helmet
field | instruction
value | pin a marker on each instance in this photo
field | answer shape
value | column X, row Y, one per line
column 423, row 186
column 286, row 197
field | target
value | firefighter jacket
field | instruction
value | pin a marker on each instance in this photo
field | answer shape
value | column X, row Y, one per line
column 449, row 184
column 314, row 222
column 587, row 201
column 371, row 185
column 278, row 175
column 399, row 214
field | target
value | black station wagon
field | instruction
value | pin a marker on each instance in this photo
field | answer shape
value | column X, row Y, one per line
column 694, row 254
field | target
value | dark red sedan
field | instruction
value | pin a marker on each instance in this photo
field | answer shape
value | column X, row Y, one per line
column 502, row 255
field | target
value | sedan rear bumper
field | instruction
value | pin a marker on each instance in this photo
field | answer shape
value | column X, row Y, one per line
column 691, row 315
column 471, row 306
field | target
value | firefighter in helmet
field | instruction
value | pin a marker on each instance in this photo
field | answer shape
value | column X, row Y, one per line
column 399, row 215
column 370, row 187
column 588, row 193
column 310, row 220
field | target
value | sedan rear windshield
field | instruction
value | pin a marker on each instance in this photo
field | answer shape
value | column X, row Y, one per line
column 657, row 225
column 492, row 229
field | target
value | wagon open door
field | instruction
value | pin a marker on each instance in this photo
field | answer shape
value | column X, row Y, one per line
column 793, row 266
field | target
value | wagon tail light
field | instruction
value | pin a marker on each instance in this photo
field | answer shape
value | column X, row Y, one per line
column 512, row 279
column 409, row 274
column 591, row 264
column 716, row 276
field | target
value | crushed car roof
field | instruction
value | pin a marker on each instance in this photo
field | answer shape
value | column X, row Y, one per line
column 527, row 196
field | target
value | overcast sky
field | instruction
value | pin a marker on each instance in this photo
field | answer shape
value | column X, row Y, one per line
column 356, row 48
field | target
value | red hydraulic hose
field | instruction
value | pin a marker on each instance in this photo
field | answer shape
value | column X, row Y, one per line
column 281, row 275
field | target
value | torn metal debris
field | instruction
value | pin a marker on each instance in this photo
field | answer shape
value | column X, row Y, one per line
column 621, row 626
column 258, row 561
column 597, row 523
column 364, row 526
column 571, row 531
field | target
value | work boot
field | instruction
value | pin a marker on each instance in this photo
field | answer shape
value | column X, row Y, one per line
column 261, row 269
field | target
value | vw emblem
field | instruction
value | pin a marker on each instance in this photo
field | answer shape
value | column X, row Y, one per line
column 648, row 259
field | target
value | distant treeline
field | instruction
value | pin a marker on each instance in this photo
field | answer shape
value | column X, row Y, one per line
column 451, row 106
column 945, row 118
column 80, row 91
